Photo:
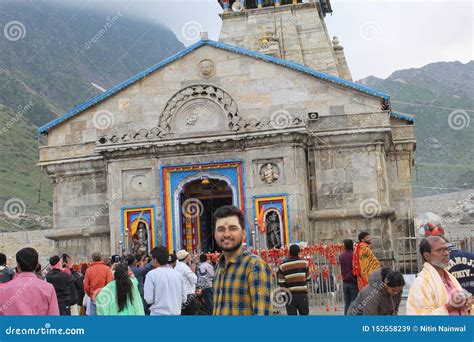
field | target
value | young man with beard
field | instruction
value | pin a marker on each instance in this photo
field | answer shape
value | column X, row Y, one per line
column 435, row 291
column 364, row 261
column 242, row 284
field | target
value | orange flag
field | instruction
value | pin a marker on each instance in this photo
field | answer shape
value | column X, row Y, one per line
column 260, row 221
column 135, row 223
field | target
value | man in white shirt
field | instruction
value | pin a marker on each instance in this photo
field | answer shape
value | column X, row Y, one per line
column 187, row 269
column 164, row 287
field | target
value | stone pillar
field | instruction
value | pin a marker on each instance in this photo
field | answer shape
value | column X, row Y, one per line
column 400, row 162
column 81, row 221
column 342, row 67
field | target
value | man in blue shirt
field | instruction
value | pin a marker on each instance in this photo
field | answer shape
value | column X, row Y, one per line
column 461, row 266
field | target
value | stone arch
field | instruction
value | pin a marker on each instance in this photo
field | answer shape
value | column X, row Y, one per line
column 199, row 99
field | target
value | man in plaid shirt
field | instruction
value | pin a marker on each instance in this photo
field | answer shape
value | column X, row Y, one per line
column 242, row 284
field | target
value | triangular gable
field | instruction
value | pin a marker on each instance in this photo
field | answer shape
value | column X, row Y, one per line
column 283, row 62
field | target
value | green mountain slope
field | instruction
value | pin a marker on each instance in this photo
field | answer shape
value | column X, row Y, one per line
column 441, row 95
column 49, row 57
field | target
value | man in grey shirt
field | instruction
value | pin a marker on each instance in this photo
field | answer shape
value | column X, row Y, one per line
column 205, row 274
column 164, row 289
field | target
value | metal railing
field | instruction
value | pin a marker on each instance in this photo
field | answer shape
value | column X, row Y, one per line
column 324, row 289
column 407, row 256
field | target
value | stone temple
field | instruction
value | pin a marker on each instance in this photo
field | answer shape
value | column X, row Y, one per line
column 267, row 118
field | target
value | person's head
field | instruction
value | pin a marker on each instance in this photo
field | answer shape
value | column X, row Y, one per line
column 184, row 256
column 131, row 260
column 54, row 260
column 3, row 259
column 108, row 262
column 160, row 256
column 203, row 258
column 294, row 251
column 123, row 285
column 348, row 245
column 84, row 268
column 96, row 256
column 172, row 259
column 393, row 281
column 230, row 228
column 365, row 237
column 67, row 260
column 27, row 259
column 434, row 250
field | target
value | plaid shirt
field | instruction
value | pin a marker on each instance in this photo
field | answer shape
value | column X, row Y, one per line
column 242, row 286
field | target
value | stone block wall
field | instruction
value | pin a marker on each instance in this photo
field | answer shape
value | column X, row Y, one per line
column 12, row 242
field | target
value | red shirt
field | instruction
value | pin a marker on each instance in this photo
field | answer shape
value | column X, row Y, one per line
column 97, row 276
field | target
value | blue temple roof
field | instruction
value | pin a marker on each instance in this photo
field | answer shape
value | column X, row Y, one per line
column 402, row 116
column 283, row 62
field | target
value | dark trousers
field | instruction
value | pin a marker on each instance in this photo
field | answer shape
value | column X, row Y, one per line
column 64, row 309
column 207, row 299
column 350, row 291
column 191, row 306
column 298, row 305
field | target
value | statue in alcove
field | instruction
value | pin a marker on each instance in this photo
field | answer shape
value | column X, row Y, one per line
column 272, row 223
column 140, row 239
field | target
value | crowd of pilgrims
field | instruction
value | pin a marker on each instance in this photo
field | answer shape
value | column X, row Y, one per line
column 113, row 286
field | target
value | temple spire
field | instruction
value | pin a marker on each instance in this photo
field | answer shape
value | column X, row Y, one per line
column 293, row 30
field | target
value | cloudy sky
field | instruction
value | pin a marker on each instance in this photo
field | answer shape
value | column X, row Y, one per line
column 379, row 36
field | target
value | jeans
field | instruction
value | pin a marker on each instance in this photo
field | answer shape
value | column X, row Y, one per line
column 207, row 294
column 298, row 305
column 93, row 308
column 350, row 291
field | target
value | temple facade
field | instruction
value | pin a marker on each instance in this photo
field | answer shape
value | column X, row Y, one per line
column 267, row 118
